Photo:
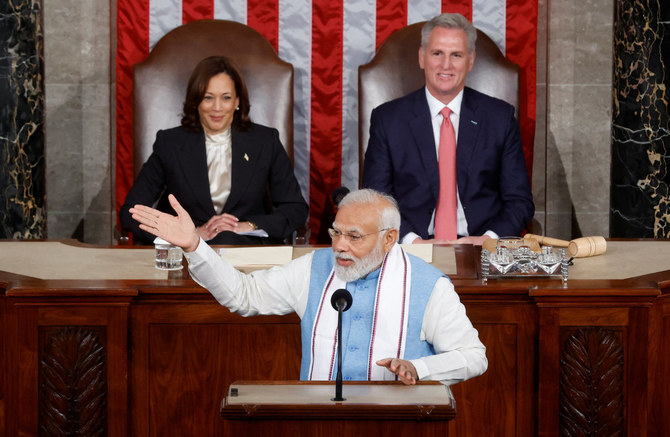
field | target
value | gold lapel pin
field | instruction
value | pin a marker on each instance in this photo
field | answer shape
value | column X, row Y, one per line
column 246, row 157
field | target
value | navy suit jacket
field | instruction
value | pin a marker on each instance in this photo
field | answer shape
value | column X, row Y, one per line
column 264, row 189
column 492, row 178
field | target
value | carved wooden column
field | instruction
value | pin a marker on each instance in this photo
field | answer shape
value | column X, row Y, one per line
column 597, row 363
column 69, row 372
column 591, row 400
column 72, row 396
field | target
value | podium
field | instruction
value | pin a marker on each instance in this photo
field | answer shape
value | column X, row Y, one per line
column 306, row 408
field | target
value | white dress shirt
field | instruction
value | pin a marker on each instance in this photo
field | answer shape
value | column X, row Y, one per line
column 436, row 118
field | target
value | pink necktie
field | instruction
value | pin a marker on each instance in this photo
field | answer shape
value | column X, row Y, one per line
column 445, row 214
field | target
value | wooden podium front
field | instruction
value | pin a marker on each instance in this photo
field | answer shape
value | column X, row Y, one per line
column 300, row 408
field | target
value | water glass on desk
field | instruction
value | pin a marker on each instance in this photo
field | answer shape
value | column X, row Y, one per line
column 168, row 256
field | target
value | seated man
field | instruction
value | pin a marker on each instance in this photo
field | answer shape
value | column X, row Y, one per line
column 406, row 320
column 479, row 192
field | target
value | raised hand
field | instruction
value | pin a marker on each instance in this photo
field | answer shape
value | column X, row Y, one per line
column 178, row 230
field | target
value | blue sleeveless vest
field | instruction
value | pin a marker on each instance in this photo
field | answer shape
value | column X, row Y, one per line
column 357, row 321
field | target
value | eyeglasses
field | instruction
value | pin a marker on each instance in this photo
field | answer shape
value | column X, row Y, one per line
column 352, row 238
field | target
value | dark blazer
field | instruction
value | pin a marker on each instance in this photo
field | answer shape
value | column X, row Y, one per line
column 264, row 189
column 492, row 178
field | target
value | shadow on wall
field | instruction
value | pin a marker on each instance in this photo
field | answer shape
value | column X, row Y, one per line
column 95, row 227
column 78, row 163
column 561, row 220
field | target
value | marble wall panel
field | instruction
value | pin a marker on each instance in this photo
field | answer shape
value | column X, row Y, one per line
column 22, row 212
column 560, row 223
column 559, row 204
column 77, row 46
column 593, row 42
column 64, row 170
column 97, row 164
column 539, row 180
column 590, row 156
column 78, row 53
column 579, row 62
column 640, row 131
column 96, row 153
column 592, row 222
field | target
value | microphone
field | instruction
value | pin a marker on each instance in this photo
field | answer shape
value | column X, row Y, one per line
column 338, row 194
column 341, row 301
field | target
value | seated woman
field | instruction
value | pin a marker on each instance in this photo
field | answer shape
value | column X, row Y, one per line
column 232, row 176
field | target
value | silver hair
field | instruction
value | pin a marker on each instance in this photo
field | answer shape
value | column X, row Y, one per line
column 389, row 217
column 450, row 21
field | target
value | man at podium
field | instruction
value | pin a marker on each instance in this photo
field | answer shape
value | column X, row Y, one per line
column 406, row 321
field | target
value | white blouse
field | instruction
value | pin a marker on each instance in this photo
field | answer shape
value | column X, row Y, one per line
column 219, row 159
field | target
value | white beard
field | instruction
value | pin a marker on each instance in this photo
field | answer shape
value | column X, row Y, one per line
column 361, row 267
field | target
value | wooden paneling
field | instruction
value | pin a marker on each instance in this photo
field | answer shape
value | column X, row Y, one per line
column 186, row 355
column 659, row 417
column 500, row 402
column 84, row 332
column 584, row 346
column 4, row 361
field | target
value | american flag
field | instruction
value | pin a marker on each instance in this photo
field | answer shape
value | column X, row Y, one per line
column 326, row 41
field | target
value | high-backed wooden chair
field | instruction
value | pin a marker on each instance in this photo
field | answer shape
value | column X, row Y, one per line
column 159, row 82
column 394, row 71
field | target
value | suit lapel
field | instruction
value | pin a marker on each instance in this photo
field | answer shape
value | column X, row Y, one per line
column 422, row 133
column 245, row 157
column 193, row 160
column 468, row 131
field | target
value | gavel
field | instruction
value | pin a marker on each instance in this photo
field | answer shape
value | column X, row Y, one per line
column 579, row 247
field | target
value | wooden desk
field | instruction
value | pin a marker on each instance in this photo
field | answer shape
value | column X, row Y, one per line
column 306, row 408
column 154, row 355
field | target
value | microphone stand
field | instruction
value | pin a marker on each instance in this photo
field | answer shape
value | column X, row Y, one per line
column 338, row 380
column 341, row 301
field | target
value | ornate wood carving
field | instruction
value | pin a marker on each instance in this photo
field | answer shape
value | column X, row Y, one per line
column 592, row 384
column 72, row 377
